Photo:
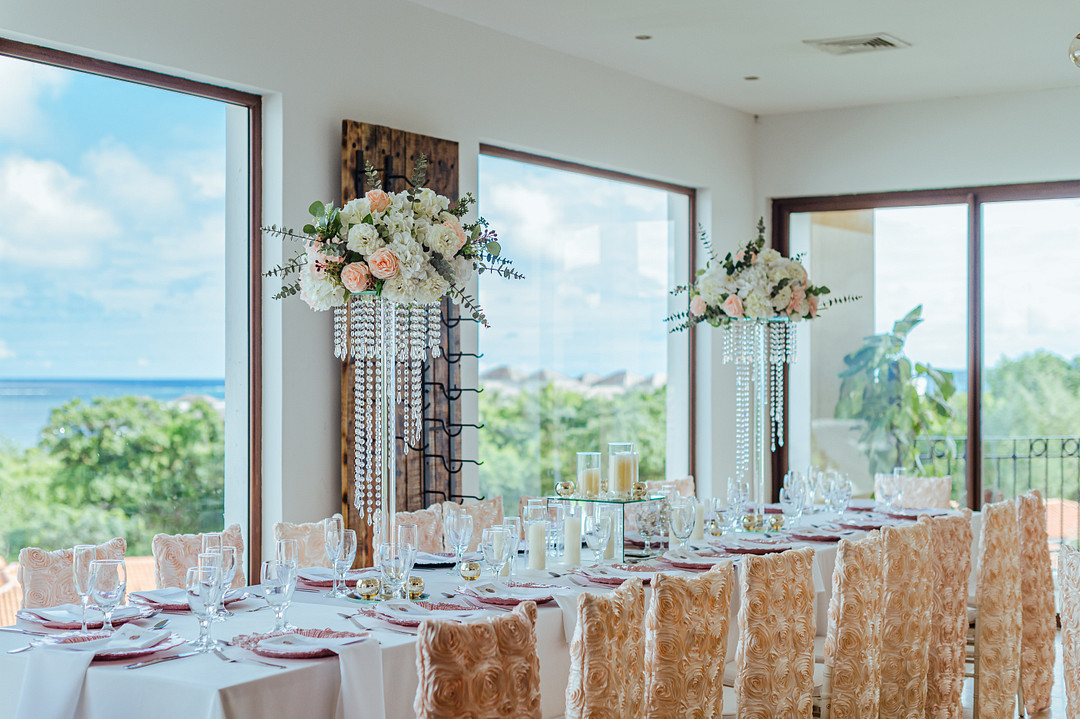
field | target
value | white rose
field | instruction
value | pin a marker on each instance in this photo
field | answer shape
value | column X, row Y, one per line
column 768, row 255
column 320, row 293
column 354, row 211
column 363, row 238
column 712, row 284
column 443, row 240
column 782, row 299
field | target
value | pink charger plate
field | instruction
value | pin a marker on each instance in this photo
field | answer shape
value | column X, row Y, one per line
column 374, row 613
column 172, row 641
column 144, row 612
column 251, row 643
column 505, row 601
column 183, row 607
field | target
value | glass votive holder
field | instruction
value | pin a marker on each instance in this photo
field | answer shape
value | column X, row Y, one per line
column 368, row 587
column 470, row 571
column 588, row 474
column 415, row 587
column 564, row 489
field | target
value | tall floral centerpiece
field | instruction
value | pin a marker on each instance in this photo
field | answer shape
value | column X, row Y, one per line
column 383, row 263
column 756, row 295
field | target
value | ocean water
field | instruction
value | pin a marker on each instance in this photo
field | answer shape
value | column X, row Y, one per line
column 26, row 404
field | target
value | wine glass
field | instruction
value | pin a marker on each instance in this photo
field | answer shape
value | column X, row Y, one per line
column 791, row 505
column 650, row 522
column 495, row 544
column 278, row 585
column 597, row 531
column 81, row 557
column 393, row 563
column 108, row 581
column 682, row 519
column 288, row 551
column 899, row 485
column 203, row 586
column 885, row 491
column 459, row 531
column 842, row 490
column 343, row 562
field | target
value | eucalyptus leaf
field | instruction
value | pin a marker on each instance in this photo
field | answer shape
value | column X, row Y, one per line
column 317, row 208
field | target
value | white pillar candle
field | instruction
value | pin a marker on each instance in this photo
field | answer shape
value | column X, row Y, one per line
column 572, row 541
column 699, row 521
column 623, row 481
column 609, row 550
column 537, row 545
column 589, row 482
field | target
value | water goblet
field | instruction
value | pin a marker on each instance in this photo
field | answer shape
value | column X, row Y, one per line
column 513, row 526
column 459, row 531
column 597, row 531
column 650, row 522
column 203, row 586
column 343, row 562
column 791, row 505
column 81, row 557
column 278, row 584
column 495, row 544
column 682, row 519
column 556, row 515
column 842, row 492
column 899, row 485
column 228, row 574
column 211, row 541
column 108, row 582
column 393, row 562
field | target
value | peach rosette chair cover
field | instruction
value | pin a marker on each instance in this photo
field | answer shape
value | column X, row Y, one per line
column 1037, row 603
column 429, row 528
column 487, row 669
column 485, row 513
column 607, row 655
column 310, row 538
column 852, row 676
column 998, row 631
column 950, row 565
column 46, row 577
column 775, row 652
column 175, row 553
column 686, row 631
column 905, row 633
column 1069, row 581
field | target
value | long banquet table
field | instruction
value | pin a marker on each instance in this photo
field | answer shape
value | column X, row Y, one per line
column 205, row 686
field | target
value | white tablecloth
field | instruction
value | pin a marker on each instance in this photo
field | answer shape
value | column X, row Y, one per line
column 206, row 687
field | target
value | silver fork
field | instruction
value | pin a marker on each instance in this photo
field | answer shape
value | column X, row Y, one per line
column 226, row 658
column 27, row 648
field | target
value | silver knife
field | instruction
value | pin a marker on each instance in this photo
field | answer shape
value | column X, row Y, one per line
column 161, row 659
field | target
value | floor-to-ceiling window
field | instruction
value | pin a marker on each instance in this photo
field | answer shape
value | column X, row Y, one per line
column 578, row 353
column 126, row 319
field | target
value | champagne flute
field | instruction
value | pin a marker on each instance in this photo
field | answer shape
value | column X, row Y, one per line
column 278, row 585
column 288, row 551
column 211, row 541
column 81, row 557
column 513, row 526
column 333, row 528
column 408, row 538
column 343, row 562
column 203, row 586
column 108, row 581
column 228, row 574
column 459, row 533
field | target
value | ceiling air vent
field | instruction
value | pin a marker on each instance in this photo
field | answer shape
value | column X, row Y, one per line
column 858, row 43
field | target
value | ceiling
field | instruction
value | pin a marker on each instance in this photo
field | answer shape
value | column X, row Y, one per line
column 707, row 47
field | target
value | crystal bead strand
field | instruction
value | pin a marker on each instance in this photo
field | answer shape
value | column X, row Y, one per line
column 341, row 346
column 434, row 329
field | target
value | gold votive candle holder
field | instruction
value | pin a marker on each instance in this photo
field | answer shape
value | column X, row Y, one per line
column 368, row 587
column 751, row 523
column 470, row 571
column 640, row 490
column 415, row 587
column 564, row 489
column 776, row 522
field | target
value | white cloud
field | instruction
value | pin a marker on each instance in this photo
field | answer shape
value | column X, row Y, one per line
column 6, row 352
column 24, row 85
column 130, row 183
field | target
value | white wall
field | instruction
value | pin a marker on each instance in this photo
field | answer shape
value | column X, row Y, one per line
column 397, row 64
column 988, row 140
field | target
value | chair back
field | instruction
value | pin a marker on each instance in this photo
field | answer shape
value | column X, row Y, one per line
column 486, row 669
column 950, row 565
column 429, row 528
column 686, row 631
column 853, row 642
column 998, row 630
column 1069, row 582
column 1038, row 615
column 905, row 634
column 607, row 655
column 175, row 553
column 46, row 577
column 485, row 513
column 310, row 538
column 775, row 653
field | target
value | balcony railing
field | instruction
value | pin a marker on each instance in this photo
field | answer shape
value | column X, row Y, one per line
column 1012, row 466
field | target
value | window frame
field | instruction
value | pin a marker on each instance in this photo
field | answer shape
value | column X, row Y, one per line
column 691, row 194
column 974, row 198
column 253, row 104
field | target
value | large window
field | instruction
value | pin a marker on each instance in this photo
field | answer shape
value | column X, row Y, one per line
column 984, row 387
column 125, row 318
column 578, row 354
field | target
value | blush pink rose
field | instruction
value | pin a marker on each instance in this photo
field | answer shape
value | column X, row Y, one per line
column 798, row 295
column 732, row 306
column 383, row 263
column 355, row 277
column 697, row 306
column 813, row 305
column 379, row 200
column 456, row 227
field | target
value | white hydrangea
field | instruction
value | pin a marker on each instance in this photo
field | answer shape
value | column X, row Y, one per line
column 412, row 259
column 443, row 240
column 354, row 211
column 364, row 239
column 398, row 289
column 320, row 294
column 756, row 305
column 713, row 284
column 752, row 278
column 768, row 256
column 430, row 204
column 782, row 299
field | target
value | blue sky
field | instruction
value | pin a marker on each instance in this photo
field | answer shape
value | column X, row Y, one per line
column 596, row 257
column 112, row 217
